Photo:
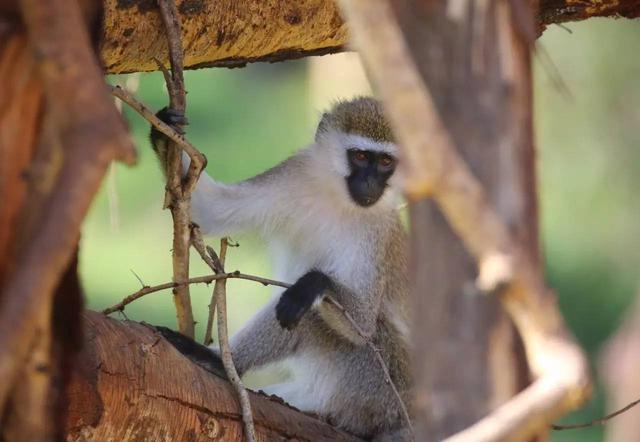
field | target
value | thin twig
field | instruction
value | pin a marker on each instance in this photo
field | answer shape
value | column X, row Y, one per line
column 207, row 279
column 215, row 262
column 217, row 265
column 208, row 334
column 178, row 189
column 194, row 154
column 600, row 421
column 138, row 278
column 219, row 299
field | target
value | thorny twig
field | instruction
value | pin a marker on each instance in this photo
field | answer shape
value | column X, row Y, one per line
column 216, row 262
column 265, row 281
column 178, row 193
column 219, row 300
column 207, row 279
column 600, row 421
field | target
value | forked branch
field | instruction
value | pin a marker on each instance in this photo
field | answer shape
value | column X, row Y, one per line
column 178, row 190
column 219, row 302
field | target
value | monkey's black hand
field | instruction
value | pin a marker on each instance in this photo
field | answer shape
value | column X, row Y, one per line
column 159, row 141
column 298, row 299
column 173, row 118
column 198, row 353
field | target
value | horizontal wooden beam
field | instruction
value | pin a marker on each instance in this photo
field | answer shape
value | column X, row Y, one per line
column 228, row 33
column 232, row 33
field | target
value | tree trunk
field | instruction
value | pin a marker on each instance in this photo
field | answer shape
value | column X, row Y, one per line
column 468, row 357
column 130, row 384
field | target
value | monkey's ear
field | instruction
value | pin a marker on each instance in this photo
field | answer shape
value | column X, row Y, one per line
column 323, row 125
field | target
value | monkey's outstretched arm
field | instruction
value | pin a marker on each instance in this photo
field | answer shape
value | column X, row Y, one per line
column 310, row 290
column 225, row 209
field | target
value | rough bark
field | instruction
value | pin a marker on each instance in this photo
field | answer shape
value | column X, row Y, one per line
column 131, row 384
column 560, row 11
column 226, row 33
column 59, row 131
column 231, row 33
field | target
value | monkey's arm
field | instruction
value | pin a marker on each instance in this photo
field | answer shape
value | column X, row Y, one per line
column 310, row 290
column 262, row 341
column 224, row 209
column 258, row 343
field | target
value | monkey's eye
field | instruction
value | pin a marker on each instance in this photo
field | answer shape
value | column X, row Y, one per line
column 386, row 162
column 360, row 155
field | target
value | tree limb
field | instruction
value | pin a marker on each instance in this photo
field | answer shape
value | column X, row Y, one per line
column 219, row 301
column 130, row 384
column 178, row 189
column 232, row 33
column 92, row 134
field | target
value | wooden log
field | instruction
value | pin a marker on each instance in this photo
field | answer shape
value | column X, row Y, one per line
column 227, row 33
column 231, row 33
column 130, row 384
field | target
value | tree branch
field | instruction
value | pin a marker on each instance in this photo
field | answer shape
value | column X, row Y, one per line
column 178, row 189
column 219, row 300
column 130, row 384
column 208, row 279
column 194, row 154
column 91, row 135
column 280, row 30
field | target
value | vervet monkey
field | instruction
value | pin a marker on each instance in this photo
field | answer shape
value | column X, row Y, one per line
column 329, row 214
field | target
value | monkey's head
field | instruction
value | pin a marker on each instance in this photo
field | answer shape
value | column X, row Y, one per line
column 357, row 140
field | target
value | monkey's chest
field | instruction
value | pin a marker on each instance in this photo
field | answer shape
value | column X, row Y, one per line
column 335, row 251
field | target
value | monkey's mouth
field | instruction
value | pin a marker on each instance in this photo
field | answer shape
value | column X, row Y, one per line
column 364, row 200
column 365, row 192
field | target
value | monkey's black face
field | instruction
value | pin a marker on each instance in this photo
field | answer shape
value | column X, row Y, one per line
column 370, row 172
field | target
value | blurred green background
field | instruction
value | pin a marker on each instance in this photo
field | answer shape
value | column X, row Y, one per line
column 246, row 120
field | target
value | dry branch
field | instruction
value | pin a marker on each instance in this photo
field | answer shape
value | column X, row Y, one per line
column 208, row 279
column 219, row 301
column 91, row 134
column 178, row 189
column 231, row 33
column 130, row 384
column 561, row 11
column 434, row 168
column 235, row 32
column 147, row 114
